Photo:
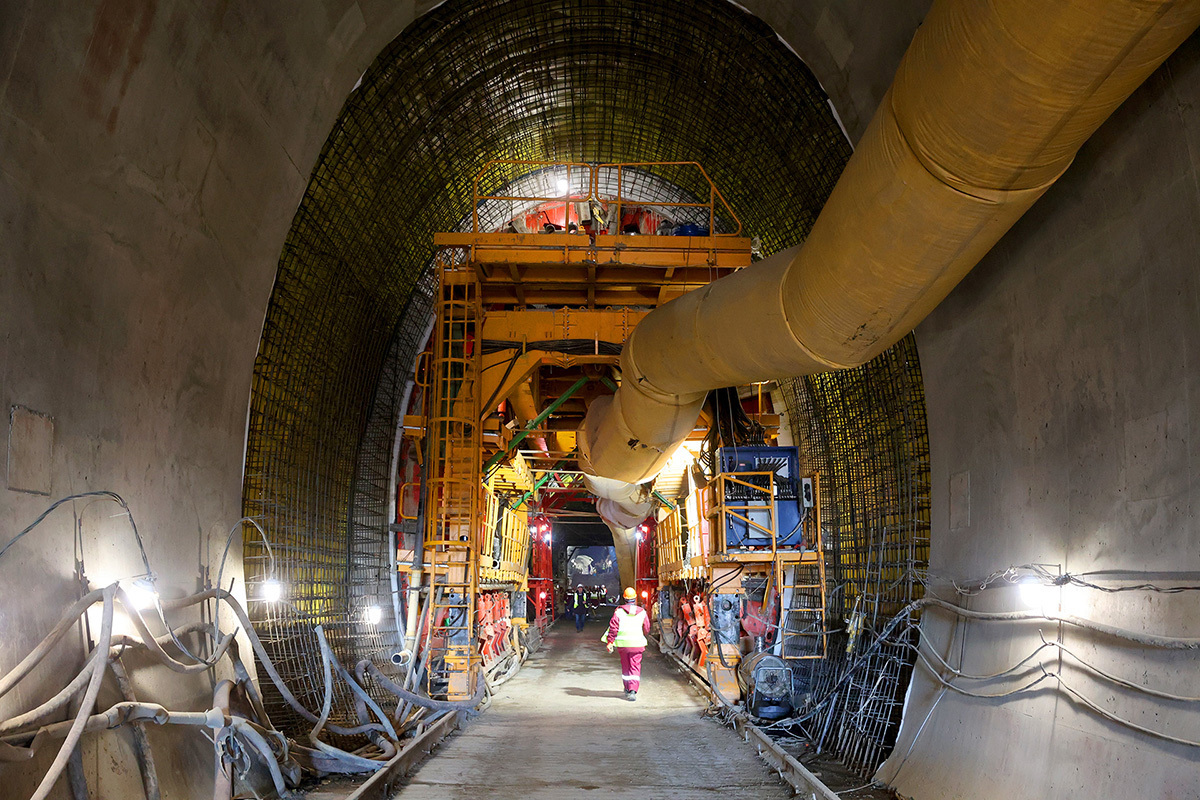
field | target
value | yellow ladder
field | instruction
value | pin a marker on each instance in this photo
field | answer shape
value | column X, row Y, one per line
column 452, row 484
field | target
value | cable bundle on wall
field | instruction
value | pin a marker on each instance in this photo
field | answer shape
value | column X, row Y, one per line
column 243, row 733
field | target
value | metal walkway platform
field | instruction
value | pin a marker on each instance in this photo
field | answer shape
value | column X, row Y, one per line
column 561, row 729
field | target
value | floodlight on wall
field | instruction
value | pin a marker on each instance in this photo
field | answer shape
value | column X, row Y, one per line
column 141, row 592
column 1036, row 594
column 272, row 590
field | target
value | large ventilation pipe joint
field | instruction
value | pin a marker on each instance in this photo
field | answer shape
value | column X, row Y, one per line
column 988, row 107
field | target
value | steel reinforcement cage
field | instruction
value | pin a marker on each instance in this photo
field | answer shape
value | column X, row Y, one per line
column 864, row 430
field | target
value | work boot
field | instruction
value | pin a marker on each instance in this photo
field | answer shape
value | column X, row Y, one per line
column 631, row 696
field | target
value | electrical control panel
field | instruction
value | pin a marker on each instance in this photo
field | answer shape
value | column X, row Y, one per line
column 765, row 487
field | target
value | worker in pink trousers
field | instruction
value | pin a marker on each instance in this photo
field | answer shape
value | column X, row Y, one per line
column 627, row 632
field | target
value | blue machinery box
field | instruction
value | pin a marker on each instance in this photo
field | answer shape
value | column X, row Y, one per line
column 792, row 496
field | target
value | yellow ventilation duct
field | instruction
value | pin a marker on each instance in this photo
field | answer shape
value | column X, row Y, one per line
column 990, row 104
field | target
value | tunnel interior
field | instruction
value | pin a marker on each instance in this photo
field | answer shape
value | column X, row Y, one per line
column 536, row 81
column 1042, row 503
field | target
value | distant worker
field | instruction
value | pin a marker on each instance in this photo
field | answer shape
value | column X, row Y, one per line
column 627, row 632
column 578, row 603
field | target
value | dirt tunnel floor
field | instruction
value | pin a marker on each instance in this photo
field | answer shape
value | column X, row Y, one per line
column 562, row 729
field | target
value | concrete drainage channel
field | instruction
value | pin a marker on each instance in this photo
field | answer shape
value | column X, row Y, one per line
column 805, row 784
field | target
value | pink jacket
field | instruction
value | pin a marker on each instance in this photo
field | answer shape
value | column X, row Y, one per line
column 614, row 625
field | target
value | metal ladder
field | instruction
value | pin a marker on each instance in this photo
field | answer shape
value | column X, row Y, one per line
column 802, row 629
column 452, row 483
column 802, row 586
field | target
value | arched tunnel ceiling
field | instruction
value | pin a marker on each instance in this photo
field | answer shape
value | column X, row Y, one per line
column 583, row 80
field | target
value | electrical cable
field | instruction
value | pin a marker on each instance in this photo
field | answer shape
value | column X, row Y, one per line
column 1088, row 703
column 1115, row 679
column 491, row 401
column 229, row 540
column 264, row 660
column 355, row 687
column 156, row 649
column 384, row 682
column 326, row 705
column 708, row 669
column 113, row 496
column 43, row 648
column 1081, row 698
column 577, row 347
column 1150, row 640
column 214, row 658
column 949, row 684
column 120, row 501
column 1012, row 575
column 1003, row 674
column 42, row 712
column 727, row 579
column 125, row 712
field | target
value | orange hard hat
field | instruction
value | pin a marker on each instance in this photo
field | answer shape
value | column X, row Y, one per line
column 630, row 593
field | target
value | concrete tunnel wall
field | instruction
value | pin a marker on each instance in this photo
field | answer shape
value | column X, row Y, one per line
column 1063, row 392
column 150, row 160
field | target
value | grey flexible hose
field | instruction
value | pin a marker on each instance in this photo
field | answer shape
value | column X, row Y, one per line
column 358, row 691
column 68, row 619
column 42, row 714
column 85, row 709
column 422, row 700
column 265, row 662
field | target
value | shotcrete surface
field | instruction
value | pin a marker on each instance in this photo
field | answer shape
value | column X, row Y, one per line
column 561, row 729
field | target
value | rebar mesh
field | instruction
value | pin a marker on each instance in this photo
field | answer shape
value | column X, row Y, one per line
column 864, row 430
column 369, row 536
column 571, row 80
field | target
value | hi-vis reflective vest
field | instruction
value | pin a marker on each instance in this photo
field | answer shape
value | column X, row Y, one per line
column 629, row 630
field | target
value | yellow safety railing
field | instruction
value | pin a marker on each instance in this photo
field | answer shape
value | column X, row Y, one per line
column 620, row 199
column 565, row 198
column 503, row 544
column 675, row 550
column 761, row 500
